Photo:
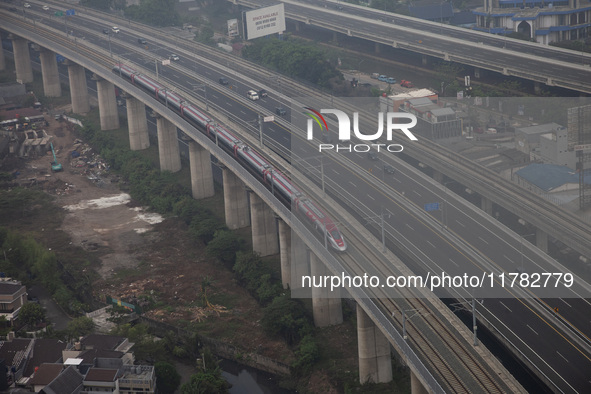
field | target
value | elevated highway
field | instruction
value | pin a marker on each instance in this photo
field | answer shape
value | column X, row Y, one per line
column 209, row 55
column 532, row 61
column 433, row 340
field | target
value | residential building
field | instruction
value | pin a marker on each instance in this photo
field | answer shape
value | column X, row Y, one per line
column 13, row 296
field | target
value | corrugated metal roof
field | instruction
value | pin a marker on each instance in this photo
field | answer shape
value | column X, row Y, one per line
column 548, row 176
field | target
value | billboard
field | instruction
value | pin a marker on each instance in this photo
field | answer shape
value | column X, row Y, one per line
column 232, row 28
column 264, row 21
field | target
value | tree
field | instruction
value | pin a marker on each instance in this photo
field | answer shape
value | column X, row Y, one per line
column 80, row 326
column 167, row 377
column 223, row 246
column 286, row 317
column 31, row 314
column 205, row 383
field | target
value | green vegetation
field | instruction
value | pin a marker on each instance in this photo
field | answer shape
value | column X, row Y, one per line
column 80, row 326
column 27, row 260
column 256, row 277
column 209, row 379
column 287, row 318
column 167, row 377
column 293, row 58
column 154, row 12
column 31, row 314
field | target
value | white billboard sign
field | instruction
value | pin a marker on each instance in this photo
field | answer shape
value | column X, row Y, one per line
column 264, row 21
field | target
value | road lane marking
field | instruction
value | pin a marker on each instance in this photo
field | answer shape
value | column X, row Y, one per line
column 535, row 332
column 454, row 263
column 570, row 306
column 431, row 244
column 565, row 359
column 369, row 195
column 419, row 194
column 408, row 225
column 501, row 302
column 460, row 223
column 483, row 240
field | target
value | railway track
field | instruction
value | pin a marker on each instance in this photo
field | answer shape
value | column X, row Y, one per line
column 424, row 328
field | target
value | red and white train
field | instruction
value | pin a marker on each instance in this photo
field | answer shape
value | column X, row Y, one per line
column 248, row 157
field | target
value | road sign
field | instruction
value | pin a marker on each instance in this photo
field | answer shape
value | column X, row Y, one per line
column 582, row 147
column 71, row 12
column 59, row 13
column 269, row 119
column 432, row 206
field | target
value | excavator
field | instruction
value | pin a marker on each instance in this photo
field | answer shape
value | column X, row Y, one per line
column 55, row 166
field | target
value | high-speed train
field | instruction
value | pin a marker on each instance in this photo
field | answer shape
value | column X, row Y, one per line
column 248, row 157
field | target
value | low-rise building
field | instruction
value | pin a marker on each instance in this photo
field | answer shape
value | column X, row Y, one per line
column 13, row 296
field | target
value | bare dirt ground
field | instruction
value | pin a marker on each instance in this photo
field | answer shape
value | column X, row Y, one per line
column 144, row 255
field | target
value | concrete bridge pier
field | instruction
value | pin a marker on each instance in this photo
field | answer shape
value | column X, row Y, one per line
column 377, row 48
column 300, row 265
column 2, row 58
column 263, row 227
column 201, row 173
column 375, row 363
column 537, row 87
column 486, row 204
column 326, row 305
column 335, row 36
column 415, row 385
column 108, row 114
column 285, row 253
column 22, row 60
column 78, row 88
column 424, row 60
column 298, row 26
column 137, row 123
column 235, row 201
column 542, row 240
column 51, row 79
column 168, row 145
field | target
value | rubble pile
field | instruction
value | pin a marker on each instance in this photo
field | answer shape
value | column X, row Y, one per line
column 90, row 164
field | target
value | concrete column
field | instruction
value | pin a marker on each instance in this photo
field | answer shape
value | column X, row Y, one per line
column 78, row 88
column 263, row 227
column 51, row 77
column 235, row 201
column 486, row 205
column 168, row 145
column 201, row 173
column 300, row 266
column 285, row 253
column 2, row 58
column 377, row 48
column 424, row 60
column 326, row 305
column 22, row 60
column 107, row 101
column 542, row 240
column 335, row 36
column 537, row 87
column 375, row 364
column 477, row 72
column 137, row 124
column 415, row 385
column 438, row 176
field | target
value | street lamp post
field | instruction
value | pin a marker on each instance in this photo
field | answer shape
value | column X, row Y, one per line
column 110, row 51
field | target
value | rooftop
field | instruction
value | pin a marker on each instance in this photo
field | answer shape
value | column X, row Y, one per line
column 101, row 375
column 45, row 374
